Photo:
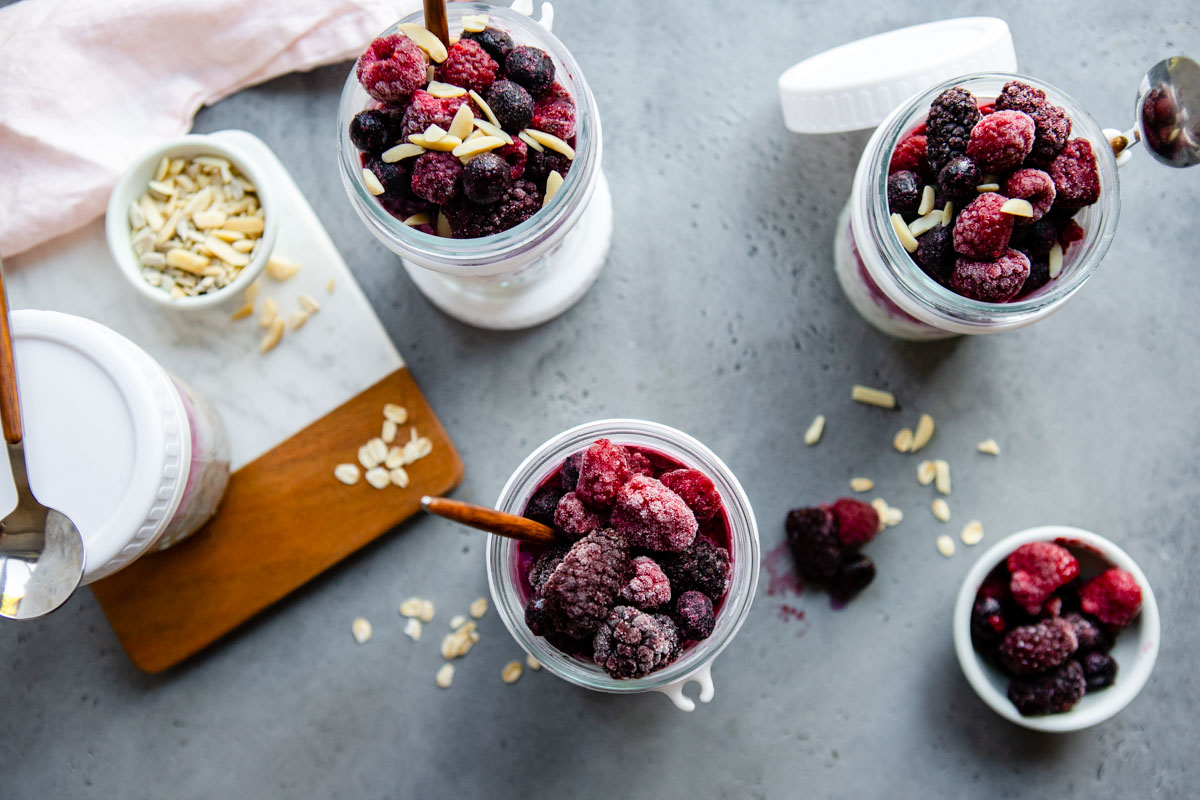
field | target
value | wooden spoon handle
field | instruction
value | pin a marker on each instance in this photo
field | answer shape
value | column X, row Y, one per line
column 492, row 521
column 435, row 20
column 10, row 408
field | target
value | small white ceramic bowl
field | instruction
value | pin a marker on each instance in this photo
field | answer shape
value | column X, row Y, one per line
column 1135, row 650
column 132, row 184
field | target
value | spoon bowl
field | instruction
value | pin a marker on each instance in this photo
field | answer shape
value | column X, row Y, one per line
column 1168, row 111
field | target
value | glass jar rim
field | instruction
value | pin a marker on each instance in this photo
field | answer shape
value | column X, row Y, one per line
column 744, row 545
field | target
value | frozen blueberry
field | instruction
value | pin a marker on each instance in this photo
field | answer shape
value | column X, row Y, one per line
column 512, row 105
column 958, row 178
column 531, row 68
column 375, row 130
column 485, row 178
column 494, row 41
column 904, row 194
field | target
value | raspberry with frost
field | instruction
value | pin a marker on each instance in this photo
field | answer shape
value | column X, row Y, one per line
column 631, row 643
column 1113, row 597
column 649, row 587
column 468, row 65
column 1031, row 649
column 392, row 68
column 1037, row 569
column 1001, row 141
column 435, row 177
column 1033, row 185
column 704, row 567
column 991, row 281
column 1056, row 691
column 982, row 231
column 603, row 470
column 516, row 154
column 696, row 489
column 640, row 464
column 1076, row 176
column 857, row 522
column 575, row 519
column 424, row 110
column 909, row 156
column 652, row 516
column 555, row 113
column 1051, row 122
column 582, row 587
column 695, row 614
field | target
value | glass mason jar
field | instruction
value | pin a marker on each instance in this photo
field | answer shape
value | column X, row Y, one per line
column 894, row 294
column 510, row 596
column 531, row 272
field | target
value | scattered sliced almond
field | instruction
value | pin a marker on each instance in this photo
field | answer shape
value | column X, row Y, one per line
column 861, row 484
column 309, row 303
column 478, row 608
column 463, row 121
column 927, row 200
column 483, row 106
column 532, row 663
column 439, row 89
column 529, row 140
column 281, row 268
column 346, row 473
column 923, row 433
column 945, row 545
column 1017, row 207
column 1055, row 260
column 444, row 144
column 397, row 414
column 981, row 188
column 445, row 676
column 941, row 510
column 554, row 182
column 424, row 39
column 251, row 293
column 942, row 476
column 412, row 629
column 872, row 397
column 242, row 312
column 361, row 628
column 972, row 533
column 926, row 472
column 551, row 142
column 372, row 183
column 477, row 146
column 512, row 672
column 270, row 310
column 457, row 621
column 475, row 23
column 329, row 286
column 988, row 446
column 903, row 440
column 274, row 334
column 296, row 319
column 904, row 234
column 378, row 477
column 815, row 429
column 401, row 152
column 922, row 225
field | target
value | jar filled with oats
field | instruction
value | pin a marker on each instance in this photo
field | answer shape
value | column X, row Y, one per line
column 132, row 454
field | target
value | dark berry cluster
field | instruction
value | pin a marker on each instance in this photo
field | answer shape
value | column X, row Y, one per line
column 648, row 568
column 973, row 181
column 510, row 91
column 824, row 541
column 1049, row 630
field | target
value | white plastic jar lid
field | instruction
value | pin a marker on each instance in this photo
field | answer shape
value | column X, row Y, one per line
column 107, row 440
column 855, row 86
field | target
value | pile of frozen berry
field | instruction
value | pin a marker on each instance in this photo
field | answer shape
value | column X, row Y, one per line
column 1049, row 629
column 825, row 540
column 649, row 564
column 983, row 196
column 463, row 141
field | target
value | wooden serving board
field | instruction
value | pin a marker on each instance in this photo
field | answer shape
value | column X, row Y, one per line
column 285, row 519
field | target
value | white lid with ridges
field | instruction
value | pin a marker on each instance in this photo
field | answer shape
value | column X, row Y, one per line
column 855, row 86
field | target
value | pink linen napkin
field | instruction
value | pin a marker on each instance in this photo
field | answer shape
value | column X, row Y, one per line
column 87, row 85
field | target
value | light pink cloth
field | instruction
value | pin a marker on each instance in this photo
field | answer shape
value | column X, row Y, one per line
column 87, row 85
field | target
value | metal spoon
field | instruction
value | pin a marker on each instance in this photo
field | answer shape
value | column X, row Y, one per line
column 41, row 551
column 1168, row 114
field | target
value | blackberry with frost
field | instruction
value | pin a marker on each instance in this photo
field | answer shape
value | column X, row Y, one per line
column 989, row 622
column 470, row 220
column 904, row 194
column 649, row 587
column 1031, row 649
column 545, row 565
column 568, row 475
column 541, row 506
column 538, row 618
column 1090, row 634
column 396, row 177
column 540, row 163
column 1054, row 692
column 376, row 129
column 1099, row 670
column 629, row 643
column 854, row 574
column 952, row 115
column 694, row 612
column 935, row 253
column 582, row 588
column 512, row 105
column 958, row 178
column 813, row 541
column 704, row 566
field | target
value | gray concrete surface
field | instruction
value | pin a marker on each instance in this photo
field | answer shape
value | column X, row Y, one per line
column 720, row 271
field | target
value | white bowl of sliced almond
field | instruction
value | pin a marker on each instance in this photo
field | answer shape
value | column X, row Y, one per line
column 191, row 223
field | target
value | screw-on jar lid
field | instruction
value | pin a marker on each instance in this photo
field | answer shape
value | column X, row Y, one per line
column 857, row 85
column 106, row 435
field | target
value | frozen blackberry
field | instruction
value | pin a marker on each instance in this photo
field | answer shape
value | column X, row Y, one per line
column 531, row 68
column 935, row 253
column 470, row 220
column 958, row 178
column 1056, row 691
column 575, row 519
column 1039, row 276
column 1090, row 634
column 1001, row 141
column 435, row 177
column 696, row 489
column 494, row 41
column 1099, row 670
column 581, row 589
column 813, row 541
column 1051, row 124
column 649, row 587
column 996, row 281
column 540, row 164
column 540, row 507
column 854, row 574
column 1035, row 240
column 694, row 611
column 982, row 231
column 989, row 623
column 486, row 178
column 545, row 565
column 396, row 178
column 857, row 522
column 538, row 618
column 375, row 130
column 704, row 567
column 569, row 474
column 512, row 105
column 468, row 65
column 392, row 68
column 952, row 115
column 904, row 194
column 629, row 643
column 1030, row 649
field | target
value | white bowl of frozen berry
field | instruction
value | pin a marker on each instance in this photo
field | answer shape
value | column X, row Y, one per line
column 659, row 566
column 1056, row 628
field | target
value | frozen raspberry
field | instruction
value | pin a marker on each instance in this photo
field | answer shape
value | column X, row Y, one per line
column 581, row 589
column 435, row 177
column 989, row 622
column 1113, row 597
column 649, row 587
column 569, row 474
column 531, row 68
column 375, row 129
column 468, row 65
column 909, row 156
column 1076, row 176
column 425, row 110
column 1099, row 670
column 575, row 519
column 1052, row 607
column 935, row 253
column 1036, row 239
column 1051, row 122
column 555, row 114
column 540, row 507
column 516, row 155
column 538, row 618
column 470, row 220
column 982, row 231
column 696, row 489
column 1037, row 569
column 952, row 115
column 854, row 574
column 1001, row 141
column 995, row 281
column 1030, row 649
column 392, row 68
column 486, row 178
column 1054, row 692
column 958, row 178
column 512, row 105
column 496, row 42
column 396, row 177
column 1069, row 232
column 545, row 565
column 704, row 567
column 631, row 643
column 695, row 614
column 813, row 540
column 1033, row 185
column 904, row 194
column 603, row 470
column 857, row 522
column 652, row 516
column 639, row 464
column 1090, row 635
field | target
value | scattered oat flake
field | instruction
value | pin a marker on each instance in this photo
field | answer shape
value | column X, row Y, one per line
column 445, row 676
column 945, row 545
column 512, row 672
column 942, row 477
column 426, row 614
column 412, row 629
column 388, row 433
column 399, row 476
column 412, row 607
column 861, row 484
column 926, row 472
column 533, row 663
column 903, row 440
column 813, row 434
column 988, row 446
column 378, row 477
column 395, row 413
column 329, row 286
column 872, row 397
column 457, row 621
column 941, row 510
column 972, row 532
column 459, row 642
column 361, row 629
column 923, row 433
column 894, row 517
column 346, row 473
column 478, row 608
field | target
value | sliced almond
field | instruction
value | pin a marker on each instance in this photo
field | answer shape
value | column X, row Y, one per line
column 492, row 130
column 926, row 472
column 948, row 213
column 417, row 219
column 945, row 545
column 532, row 663
column 988, row 446
column 475, row 23
column 253, row 224
column 554, row 182
column 443, row 144
column 815, row 430
column 872, row 397
column 443, row 226
column 903, row 440
column 476, row 146
column 861, row 484
column 1055, row 260
column 552, row 142
column 923, row 433
column 241, row 245
column 942, row 478
column 223, row 251
column 434, row 133
column 425, row 40
column 412, row 629
column 439, row 89
column 329, row 286
column 296, row 319
column 903, row 233
column 922, row 225
column 981, row 188
column 941, row 509
column 251, row 293
column 478, row 607
column 186, row 260
column 274, row 334
column 401, row 152
column 309, row 303
column 972, row 533
column 212, row 218
column 1017, row 207
column 372, row 183
column 483, row 106
column 281, row 268
column 242, row 312
column 927, row 200
column 269, row 311
column 463, row 121
column 512, row 672
column 361, row 629
column 346, row 473
column 152, row 212
column 529, row 140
